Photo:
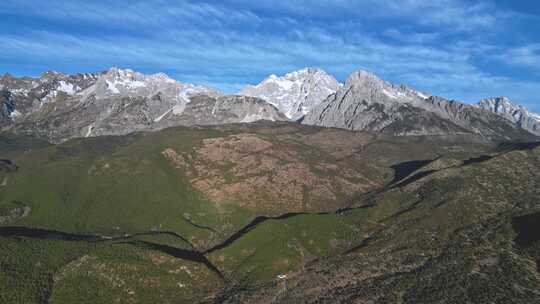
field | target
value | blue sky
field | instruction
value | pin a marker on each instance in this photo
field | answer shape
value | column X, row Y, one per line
column 458, row 49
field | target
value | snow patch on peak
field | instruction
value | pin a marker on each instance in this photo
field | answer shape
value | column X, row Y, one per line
column 294, row 93
column 282, row 83
column 89, row 131
column 516, row 113
column 112, row 87
column 421, row 95
column 394, row 94
column 126, row 82
column 502, row 105
column 14, row 114
column 67, row 88
column 160, row 117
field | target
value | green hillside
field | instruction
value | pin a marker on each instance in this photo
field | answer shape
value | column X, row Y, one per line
column 248, row 213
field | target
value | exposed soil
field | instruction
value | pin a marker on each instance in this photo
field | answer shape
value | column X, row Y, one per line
column 251, row 172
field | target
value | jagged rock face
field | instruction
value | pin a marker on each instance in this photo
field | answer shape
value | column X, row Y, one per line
column 475, row 120
column 7, row 107
column 58, row 106
column 48, row 88
column 368, row 103
column 296, row 93
column 208, row 110
column 502, row 106
column 151, row 96
column 52, row 84
column 28, row 95
column 118, row 82
column 120, row 102
column 123, row 115
column 31, row 94
column 17, row 85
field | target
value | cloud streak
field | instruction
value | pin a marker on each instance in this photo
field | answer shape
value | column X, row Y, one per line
column 433, row 46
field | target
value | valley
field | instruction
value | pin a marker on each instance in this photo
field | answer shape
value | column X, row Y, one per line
column 269, row 152
column 130, row 188
column 399, row 209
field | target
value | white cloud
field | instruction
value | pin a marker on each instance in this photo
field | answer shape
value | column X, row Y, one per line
column 526, row 56
column 411, row 37
column 455, row 15
column 226, row 46
column 138, row 14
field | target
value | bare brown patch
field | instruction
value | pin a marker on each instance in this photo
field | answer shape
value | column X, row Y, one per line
column 252, row 172
column 176, row 160
column 158, row 258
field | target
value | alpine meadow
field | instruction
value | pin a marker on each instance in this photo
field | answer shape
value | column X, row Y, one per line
column 269, row 152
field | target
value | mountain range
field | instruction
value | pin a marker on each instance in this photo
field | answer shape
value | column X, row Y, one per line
column 368, row 103
column 57, row 107
column 296, row 190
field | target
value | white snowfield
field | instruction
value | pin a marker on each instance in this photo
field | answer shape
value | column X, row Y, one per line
column 295, row 93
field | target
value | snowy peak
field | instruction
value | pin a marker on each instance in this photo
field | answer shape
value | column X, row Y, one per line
column 518, row 114
column 164, row 95
column 128, row 83
column 503, row 106
column 52, row 83
column 122, row 96
column 120, row 81
column 295, row 93
column 306, row 73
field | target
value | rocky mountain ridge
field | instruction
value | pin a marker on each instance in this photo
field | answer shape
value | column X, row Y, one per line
column 120, row 101
column 369, row 103
column 506, row 108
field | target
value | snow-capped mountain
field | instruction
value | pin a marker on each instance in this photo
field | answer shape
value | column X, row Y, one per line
column 52, row 83
column 125, row 82
column 31, row 94
column 295, row 93
column 516, row 113
column 367, row 102
column 173, row 95
column 118, row 101
column 28, row 95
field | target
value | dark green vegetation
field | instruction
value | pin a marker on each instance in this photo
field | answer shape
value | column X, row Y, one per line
column 275, row 213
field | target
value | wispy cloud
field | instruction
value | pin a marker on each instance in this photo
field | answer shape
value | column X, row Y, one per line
column 459, row 14
column 527, row 56
column 433, row 45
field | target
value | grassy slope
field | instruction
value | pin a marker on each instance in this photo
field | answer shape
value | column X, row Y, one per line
column 126, row 188
column 446, row 238
column 279, row 246
column 44, row 271
column 116, row 185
